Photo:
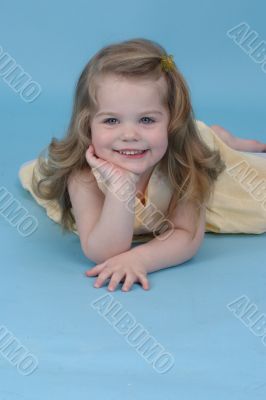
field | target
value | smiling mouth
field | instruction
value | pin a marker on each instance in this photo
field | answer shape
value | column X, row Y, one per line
column 136, row 155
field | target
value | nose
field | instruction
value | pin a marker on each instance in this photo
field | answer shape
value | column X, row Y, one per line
column 129, row 132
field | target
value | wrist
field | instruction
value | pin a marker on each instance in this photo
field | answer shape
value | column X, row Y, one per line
column 123, row 188
column 144, row 256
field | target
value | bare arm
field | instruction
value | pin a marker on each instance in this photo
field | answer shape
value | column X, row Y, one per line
column 174, row 246
column 113, row 232
column 104, row 223
column 177, row 248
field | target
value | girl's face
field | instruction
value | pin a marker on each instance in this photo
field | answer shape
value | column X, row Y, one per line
column 130, row 115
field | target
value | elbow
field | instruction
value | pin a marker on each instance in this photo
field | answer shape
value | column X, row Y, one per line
column 90, row 252
column 193, row 243
column 92, row 256
column 99, row 256
column 96, row 260
column 89, row 255
column 191, row 252
column 100, row 251
column 196, row 243
column 195, row 251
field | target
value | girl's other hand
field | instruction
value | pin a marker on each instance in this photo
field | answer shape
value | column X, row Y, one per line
column 108, row 172
column 125, row 266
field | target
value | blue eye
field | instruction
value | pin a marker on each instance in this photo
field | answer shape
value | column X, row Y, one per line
column 150, row 119
column 109, row 119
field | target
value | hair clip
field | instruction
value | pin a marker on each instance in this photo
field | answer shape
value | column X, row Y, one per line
column 167, row 62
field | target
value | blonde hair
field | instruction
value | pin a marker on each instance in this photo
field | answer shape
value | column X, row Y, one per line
column 191, row 166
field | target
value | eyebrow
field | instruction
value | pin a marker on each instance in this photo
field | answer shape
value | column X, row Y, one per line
column 112, row 113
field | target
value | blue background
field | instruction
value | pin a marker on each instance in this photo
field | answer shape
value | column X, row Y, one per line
column 44, row 296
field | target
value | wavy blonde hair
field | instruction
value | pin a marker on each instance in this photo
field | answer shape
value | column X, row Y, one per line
column 191, row 166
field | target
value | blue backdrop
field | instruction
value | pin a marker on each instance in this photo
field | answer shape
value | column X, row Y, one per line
column 45, row 300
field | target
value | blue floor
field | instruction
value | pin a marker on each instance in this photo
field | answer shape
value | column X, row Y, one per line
column 71, row 345
column 61, row 338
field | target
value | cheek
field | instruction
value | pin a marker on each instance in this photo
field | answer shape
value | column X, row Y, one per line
column 103, row 148
column 99, row 140
column 161, row 143
column 160, row 148
column 94, row 136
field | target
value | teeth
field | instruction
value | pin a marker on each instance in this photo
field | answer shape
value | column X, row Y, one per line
column 132, row 152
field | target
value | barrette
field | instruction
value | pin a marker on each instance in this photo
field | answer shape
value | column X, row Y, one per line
column 167, row 62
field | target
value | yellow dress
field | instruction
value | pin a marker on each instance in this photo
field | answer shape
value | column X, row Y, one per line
column 238, row 204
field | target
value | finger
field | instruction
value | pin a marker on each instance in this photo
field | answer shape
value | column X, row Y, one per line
column 130, row 279
column 89, row 151
column 90, row 155
column 96, row 270
column 90, row 158
column 116, row 278
column 103, row 276
column 144, row 281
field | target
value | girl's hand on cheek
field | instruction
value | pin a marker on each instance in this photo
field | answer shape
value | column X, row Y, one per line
column 109, row 173
column 125, row 266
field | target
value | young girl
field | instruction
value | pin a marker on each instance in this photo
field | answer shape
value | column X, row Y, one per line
column 136, row 164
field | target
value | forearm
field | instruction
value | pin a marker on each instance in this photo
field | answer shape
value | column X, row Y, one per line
column 172, row 249
column 113, row 233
